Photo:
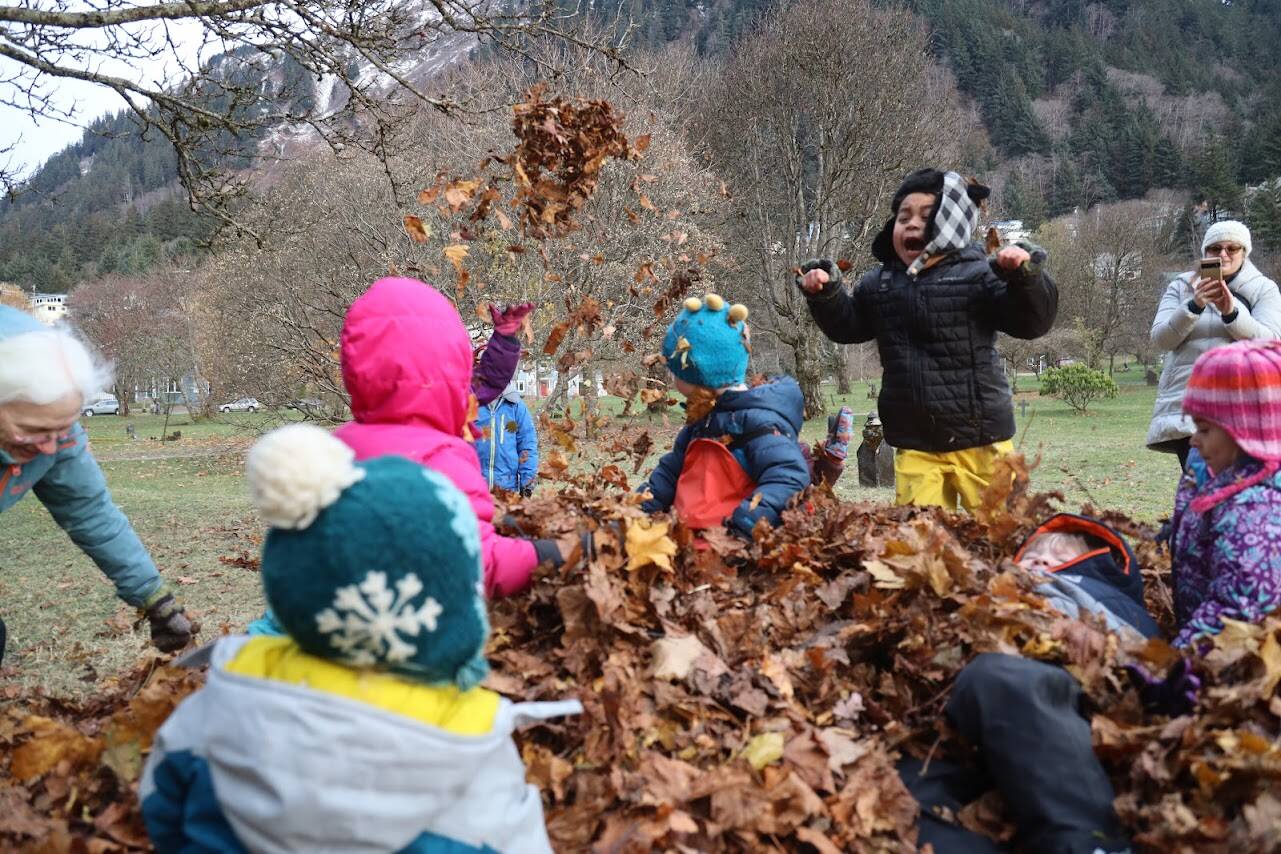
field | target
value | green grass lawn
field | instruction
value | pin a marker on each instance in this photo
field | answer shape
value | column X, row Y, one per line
column 188, row 502
column 1099, row 458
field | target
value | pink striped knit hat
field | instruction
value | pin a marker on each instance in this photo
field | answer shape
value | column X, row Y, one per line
column 1238, row 387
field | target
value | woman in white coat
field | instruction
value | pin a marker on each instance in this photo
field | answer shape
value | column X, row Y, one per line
column 1198, row 314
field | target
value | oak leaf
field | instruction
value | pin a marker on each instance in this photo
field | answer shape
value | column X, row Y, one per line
column 648, row 543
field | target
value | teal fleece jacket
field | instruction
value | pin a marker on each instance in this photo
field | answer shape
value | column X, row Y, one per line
column 71, row 486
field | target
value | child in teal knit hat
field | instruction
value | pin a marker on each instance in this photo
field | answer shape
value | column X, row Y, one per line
column 737, row 461
column 365, row 727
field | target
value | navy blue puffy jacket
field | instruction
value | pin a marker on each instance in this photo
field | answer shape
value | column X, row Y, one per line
column 770, row 417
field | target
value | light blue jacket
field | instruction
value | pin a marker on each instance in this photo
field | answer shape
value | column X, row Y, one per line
column 71, row 486
column 509, row 452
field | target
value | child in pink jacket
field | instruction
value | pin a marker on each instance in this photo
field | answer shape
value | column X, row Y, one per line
column 407, row 364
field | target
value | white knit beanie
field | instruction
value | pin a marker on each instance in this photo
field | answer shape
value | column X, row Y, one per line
column 1228, row 229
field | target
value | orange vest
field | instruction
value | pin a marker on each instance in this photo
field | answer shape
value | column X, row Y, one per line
column 711, row 485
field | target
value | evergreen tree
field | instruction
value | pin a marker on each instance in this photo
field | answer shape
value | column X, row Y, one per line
column 1023, row 200
column 1168, row 169
column 1215, row 178
column 1264, row 211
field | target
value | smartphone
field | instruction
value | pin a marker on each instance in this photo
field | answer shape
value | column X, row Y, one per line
column 1212, row 269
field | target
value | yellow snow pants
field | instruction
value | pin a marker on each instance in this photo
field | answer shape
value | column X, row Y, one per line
column 946, row 478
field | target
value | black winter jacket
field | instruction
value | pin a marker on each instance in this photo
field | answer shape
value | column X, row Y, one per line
column 942, row 387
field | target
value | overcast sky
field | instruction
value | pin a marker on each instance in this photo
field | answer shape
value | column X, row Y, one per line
column 37, row 140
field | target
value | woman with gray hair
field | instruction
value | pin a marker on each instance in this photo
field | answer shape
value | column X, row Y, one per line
column 46, row 375
column 1197, row 314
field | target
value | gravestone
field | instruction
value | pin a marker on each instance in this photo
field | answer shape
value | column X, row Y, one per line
column 875, row 456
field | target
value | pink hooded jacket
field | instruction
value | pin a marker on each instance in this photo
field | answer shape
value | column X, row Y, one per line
column 407, row 364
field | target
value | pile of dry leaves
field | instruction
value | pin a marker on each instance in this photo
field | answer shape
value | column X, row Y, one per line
column 69, row 771
column 756, row 696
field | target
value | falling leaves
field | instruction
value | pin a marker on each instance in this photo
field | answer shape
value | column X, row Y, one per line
column 556, row 165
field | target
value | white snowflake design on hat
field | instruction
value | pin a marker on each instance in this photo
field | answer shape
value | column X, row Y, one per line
column 375, row 618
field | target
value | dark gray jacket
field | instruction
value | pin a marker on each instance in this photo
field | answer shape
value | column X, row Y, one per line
column 942, row 387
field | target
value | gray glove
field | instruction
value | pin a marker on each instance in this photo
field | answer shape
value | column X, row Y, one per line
column 1032, row 267
column 834, row 276
column 170, row 628
column 548, row 552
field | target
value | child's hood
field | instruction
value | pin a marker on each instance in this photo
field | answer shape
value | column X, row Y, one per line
column 779, row 400
column 296, row 769
column 406, row 357
column 1110, row 573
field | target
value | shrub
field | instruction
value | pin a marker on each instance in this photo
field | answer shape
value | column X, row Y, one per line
column 1078, row 385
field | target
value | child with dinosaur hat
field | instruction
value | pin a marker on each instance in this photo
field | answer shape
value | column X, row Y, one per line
column 737, row 460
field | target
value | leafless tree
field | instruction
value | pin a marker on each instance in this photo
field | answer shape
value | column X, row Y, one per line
column 344, row 72
column 334, row 225
column 1104, row 263
column 147, row 326
column 813, row 127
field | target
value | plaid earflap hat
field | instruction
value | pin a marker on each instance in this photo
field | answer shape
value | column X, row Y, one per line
column 374, row 564
column 952, row 224
column 1238, row 387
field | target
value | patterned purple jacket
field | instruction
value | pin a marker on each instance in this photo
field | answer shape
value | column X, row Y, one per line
column 496, row 367
column 1226, row 561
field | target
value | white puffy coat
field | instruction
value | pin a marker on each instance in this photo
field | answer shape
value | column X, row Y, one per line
column 1185, row 336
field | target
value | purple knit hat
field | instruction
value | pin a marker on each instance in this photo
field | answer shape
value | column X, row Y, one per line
column 1238, row 387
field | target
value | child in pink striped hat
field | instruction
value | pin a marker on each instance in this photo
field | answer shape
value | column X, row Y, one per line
column 1226, row 542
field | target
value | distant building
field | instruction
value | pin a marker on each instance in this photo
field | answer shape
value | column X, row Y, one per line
column 541, row 383
column 49, row 308
column 1012, row 230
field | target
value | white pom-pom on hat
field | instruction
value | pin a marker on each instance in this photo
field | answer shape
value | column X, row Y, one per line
column 297, row 471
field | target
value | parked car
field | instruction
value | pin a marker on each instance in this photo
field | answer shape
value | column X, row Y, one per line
column 244, row 404
column 106, row 405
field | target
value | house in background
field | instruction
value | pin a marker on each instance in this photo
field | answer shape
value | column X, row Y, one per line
column 48, row 308
column 1011, row 230
column 531, row 382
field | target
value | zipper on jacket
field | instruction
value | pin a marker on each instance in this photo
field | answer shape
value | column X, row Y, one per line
column 493, row 440
column 917, row 302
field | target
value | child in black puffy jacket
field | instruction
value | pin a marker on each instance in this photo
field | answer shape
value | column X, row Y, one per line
column 934, row 307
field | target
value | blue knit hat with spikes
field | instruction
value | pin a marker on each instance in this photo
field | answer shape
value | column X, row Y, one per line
column 707, row 343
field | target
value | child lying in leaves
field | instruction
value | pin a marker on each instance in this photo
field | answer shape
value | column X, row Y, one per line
column 1024, row 716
